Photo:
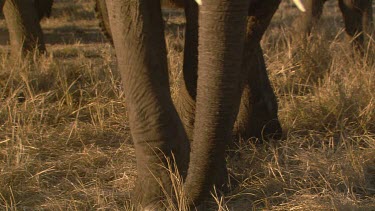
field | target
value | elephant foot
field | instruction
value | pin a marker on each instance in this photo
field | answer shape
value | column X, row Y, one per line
column 159, row 202
column 150, row 194
column 264, row 123
column 260, row 121
column 263, row 130
column 155, row 206
column 163, row 203
column 159, row 177
column 215, row 185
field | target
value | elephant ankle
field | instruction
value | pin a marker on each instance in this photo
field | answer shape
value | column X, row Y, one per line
column 159, row 176
column 151, row 193
column 260, row 129
column 145, row 195
column 261, row 123
column 270, row 130
column 199, row 192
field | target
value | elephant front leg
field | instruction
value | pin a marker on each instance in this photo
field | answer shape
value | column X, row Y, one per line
column 257, row 116
column 355, row 13
column 367, row 19
column 156, row 129
column 43, row 8
column 25, row 31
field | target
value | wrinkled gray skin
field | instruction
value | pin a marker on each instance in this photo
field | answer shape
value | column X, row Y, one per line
column 357, row 15
column 229, row 36
column 257, row 95
column 23, row 19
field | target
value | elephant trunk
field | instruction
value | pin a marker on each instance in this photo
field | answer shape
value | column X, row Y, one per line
column 221, row 42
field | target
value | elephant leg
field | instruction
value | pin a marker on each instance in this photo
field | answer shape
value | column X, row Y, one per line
column 367, row 19
column 43, row 8
column 354, row 13
column 308, row 19
column 101, row 13
column 156, row 129
column 185, row 101
column 24, row 28
column 257, row 116
column 221, row 39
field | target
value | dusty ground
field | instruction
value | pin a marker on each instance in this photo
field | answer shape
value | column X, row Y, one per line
column 64, row 136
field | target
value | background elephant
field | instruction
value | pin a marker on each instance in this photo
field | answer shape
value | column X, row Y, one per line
column 43, row 8
column 357, row 15
column 23, row 19
column 209, row 103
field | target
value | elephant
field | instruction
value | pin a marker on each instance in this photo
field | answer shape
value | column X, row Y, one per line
column 357, row 15
column 101, row 13
column 23, row 20
column 225, row 85
column 257, row 95
column 222, row 57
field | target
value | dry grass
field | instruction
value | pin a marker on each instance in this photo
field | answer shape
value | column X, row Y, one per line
column 65, row 143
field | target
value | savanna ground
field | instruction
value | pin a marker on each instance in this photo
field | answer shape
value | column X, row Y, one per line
column 64, row 135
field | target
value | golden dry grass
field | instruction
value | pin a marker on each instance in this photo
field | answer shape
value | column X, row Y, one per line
column 64, row 135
